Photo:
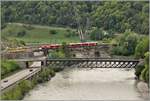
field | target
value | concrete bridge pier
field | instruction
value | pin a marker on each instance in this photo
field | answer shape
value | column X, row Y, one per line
column 45, row 51
column 43, row 63
column 27, row 64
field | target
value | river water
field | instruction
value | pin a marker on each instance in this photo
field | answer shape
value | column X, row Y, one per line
column 88, row 84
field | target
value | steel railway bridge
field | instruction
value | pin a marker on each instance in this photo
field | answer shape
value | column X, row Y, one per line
column 83, row 62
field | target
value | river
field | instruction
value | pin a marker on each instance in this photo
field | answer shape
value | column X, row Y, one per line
column 88, row 84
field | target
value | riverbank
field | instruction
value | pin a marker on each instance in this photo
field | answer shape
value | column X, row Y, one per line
column 20, row 90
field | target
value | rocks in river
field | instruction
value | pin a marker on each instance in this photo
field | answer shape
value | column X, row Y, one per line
column 143, row 89
column 49, row 78
column 142, row 86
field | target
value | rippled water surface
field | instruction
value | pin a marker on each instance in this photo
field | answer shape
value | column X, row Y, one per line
column 88, row 84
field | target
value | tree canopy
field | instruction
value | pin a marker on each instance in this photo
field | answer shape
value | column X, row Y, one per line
column 108, row 15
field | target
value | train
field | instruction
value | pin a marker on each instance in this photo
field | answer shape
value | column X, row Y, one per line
column 70, row 45
column 53, row 46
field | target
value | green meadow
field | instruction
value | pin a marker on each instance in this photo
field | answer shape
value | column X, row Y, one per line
column 39, row 34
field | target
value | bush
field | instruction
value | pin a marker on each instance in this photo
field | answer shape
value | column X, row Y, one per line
column 21, row 33
column 45, row 75
column 126, row 44
column 52, row 72
column 25, row 85
column 57, row 69
column 139, row 69
column 56, row 54
column 53, row 32
column 69, row 33
column 142, row 47
column 8, row 67
column 22, row 43
column 146, row 59
column 97, row 34
column 143, row 71
column 120, row 50
column 18, row 92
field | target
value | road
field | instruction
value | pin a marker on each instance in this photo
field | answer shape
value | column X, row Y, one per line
column 25, row 73
column 8, row 81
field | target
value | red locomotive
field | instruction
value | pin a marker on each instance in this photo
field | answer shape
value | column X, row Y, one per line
column 71, row 45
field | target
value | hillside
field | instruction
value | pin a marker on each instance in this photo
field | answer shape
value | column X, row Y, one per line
column 39, row 34
column 108, row 15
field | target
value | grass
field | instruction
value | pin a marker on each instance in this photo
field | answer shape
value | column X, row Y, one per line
column 8, row 68
column 41, row 34
column 38, row 34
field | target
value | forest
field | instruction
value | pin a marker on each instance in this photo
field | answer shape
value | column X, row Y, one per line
column 116, row 16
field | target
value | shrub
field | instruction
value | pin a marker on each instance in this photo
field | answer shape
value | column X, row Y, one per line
column 45, row 75
column 22, row 43
column 139, row 69
column 53, row 32
column 21, row 33
column 145, row 72
column 52, row 72
column 56, row 54
column 57, row 69
column 8, row 67
column 18, row 91
column 126, row 44
column 69, row 33
column 142, row 47
column 97, row 34
column 120, row 50
column 24, row 86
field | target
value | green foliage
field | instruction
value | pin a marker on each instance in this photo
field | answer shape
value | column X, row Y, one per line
column 97, row 34
column 57, row 69
column 56, row 54
column 115, row 15
column 8, row 67
column 120, row 50
column 126, row 44
column 39, row 34
column 11, row 43
column 142, row 71
column 142, row 47
column 147, row 54
column 70, row 33
column 53, row 32
column 139, row 69
column 21, row 33
column 45, row 75
column 22, row 43
column 18, row 92
column 25, row 85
